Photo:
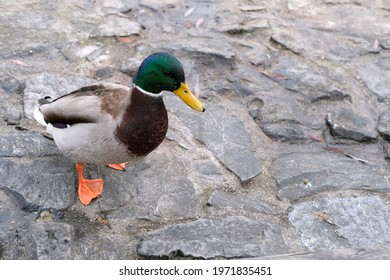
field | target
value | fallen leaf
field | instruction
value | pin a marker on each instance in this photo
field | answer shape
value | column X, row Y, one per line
column 20, row 63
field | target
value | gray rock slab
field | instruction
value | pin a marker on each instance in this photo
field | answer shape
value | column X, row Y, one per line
column 385, row 43
column 13, row 115
column 212, row 49
column 321, row 44
column 10, row 85
column 11, row 108
column 341, row 17
column 306, row 77
column 118, row 5
column 68, row 24
column 210, row 174
column 303, row 174
column 375, row 73
column 115, row 25
column 26, row 144
column 229, row 237
column 246, row 26
column 386, row 150
column 337, row 223
column 251, row 82
column 162, row 183
column 15, row 242
column 202, row 56
column 384, row 125
column 49, row 84
column 158, row 4
column 348, row 124
column 224, row 135
column 82, row 236
column 285, row 119
column 240, row 202
column 125, row 217
column 53, row 240
column 105, row 246
column 72, row 235
column 47, row 182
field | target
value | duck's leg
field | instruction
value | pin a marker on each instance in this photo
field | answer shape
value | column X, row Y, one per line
column 88, row 189
column 118, row 166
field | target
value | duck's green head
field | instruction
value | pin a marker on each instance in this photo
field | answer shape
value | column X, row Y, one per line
column 162, row 71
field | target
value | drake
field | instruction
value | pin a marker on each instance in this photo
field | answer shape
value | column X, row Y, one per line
column 113, row 124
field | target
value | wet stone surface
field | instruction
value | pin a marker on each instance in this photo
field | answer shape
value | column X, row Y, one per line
column 290, row 159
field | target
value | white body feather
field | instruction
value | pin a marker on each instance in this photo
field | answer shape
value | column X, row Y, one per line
column 79, row 143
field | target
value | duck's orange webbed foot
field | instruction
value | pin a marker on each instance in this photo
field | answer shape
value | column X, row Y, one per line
column 88, row 189
column 118, row 166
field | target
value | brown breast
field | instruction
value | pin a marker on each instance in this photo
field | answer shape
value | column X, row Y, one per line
column 144, row 125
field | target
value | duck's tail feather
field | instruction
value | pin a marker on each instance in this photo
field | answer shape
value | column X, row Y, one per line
column 38, row 116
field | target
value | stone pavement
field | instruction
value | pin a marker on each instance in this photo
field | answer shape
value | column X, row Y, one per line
column 290, row 160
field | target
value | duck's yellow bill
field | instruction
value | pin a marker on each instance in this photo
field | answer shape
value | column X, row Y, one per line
column 186, row 95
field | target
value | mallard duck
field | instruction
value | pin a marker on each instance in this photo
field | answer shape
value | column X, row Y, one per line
column 114, row 124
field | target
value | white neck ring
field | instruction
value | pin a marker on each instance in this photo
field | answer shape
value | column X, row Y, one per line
column 155, row 95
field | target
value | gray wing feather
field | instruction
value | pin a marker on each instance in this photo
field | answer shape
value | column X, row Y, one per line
column 86, row 105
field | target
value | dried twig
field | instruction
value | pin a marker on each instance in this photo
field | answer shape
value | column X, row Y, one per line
column 189, row 11
column 20, row 63
column 325, row 217
column 264, row 44
column 271, row 75
column 337, row 150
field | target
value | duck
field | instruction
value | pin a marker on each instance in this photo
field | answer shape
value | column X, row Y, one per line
column 113, row 124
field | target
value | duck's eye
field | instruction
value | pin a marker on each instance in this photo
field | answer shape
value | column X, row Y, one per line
column 167, row 73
